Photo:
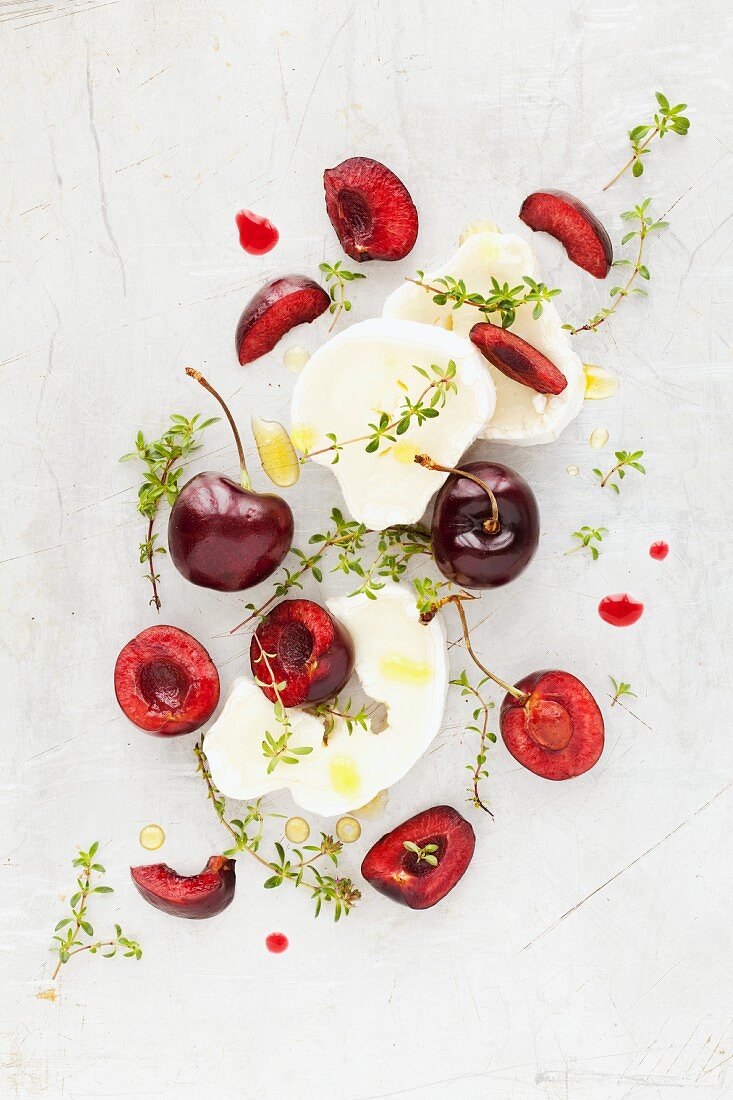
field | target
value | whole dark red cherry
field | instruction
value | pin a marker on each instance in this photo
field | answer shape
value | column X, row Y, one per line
column 225, row 535
column 486, row 525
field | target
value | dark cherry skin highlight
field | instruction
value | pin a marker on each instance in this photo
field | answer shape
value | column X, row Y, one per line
column 470, row 547
column 226, row 536
column 192, row 896
column 166, row 682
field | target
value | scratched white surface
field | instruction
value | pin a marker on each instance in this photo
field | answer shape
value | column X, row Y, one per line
column 587, row 953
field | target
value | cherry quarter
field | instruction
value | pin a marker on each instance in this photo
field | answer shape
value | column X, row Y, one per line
column 192, row 896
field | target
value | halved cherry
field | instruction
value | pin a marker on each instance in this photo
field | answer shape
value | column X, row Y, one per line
column 569, row 221
column 166, row 682
column 371, row 210
column 517, row 359
column 301, row 646
column 557, row 730
column 419, row 862
column 275, row 309
column 191, row 896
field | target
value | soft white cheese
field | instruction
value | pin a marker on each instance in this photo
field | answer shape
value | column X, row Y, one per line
column 507, row 258
column 367, row 370
column 399, row 662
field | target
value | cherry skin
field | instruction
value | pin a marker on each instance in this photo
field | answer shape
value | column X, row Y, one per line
column 466, row 550
column 224, row 537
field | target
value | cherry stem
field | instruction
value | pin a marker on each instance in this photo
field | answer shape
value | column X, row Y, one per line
column 457, row 600
column 492, row 524
column 244, row 479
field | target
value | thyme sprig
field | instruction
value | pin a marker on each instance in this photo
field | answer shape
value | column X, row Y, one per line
column 332, row 709
column 277, row 750
column 503, row 299
column 645, row 225
column 480, row 727
column 160, row 480
column 338, row 277
column 587, row 535
column 620, row 689
column 625, row 460
column 425, row 853
column 77, row 934
column 666, row 120
column 298, row 869
column 389, row 428
column 396, row 546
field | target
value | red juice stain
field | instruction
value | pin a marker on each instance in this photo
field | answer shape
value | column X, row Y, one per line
column 256, row 235
column 620, row 610
column 277, row 942
column 659, row 550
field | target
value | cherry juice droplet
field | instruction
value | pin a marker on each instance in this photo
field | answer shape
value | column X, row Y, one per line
column 620, row 610
column 257, row 235
column 659, row 550
column 277, row 942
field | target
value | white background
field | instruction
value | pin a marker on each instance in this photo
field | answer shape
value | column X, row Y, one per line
column 587, row 953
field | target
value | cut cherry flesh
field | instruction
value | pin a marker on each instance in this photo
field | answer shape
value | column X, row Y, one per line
column 257, row 235
column 275, row 309
column 224, row 537
column 558, row 732
column 307, row 650
column 517, row 359
column 464, row 550
column 370, row 209
column 620, row 609
column 569, row 221
column 165, row 681
column 401, row 874
column 191, row 896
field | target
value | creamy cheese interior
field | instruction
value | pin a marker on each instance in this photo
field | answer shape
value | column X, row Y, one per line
column 368, row 370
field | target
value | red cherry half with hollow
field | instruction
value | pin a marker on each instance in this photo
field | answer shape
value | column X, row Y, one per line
column 226, row 536
column 191, row 896
column 166, row 682
column 486, row 525
column 556, row 730
column 301, row 646
column 420, row 861
column 371, row 210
